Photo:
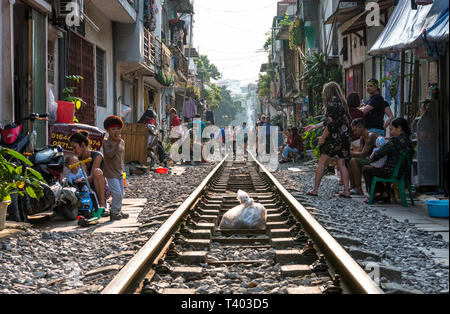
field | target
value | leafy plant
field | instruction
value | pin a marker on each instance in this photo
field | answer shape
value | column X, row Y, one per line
column 193, row 91
column 163, row 79
column 311, row 138
column 391, row 81
column 320, row 73
column 68, row 92
column 16, row 178
column 296, row 33
column 286, row 21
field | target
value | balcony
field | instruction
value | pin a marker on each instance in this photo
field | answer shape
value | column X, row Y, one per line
column 152, row 49
column 156, row 53
column 181, row 62
column 117, row 10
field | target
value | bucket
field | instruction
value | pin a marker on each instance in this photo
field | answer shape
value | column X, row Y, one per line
column 437, row 208
column 65, row 112
column 3, row 211
column 162, row 170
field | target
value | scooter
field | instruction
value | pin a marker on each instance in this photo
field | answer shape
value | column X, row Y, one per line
column 49, row 162
column 89, row 212
column 12, row 136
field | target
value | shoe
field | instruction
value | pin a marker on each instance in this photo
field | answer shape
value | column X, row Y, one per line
column 311, row 194
column 118, row 216
column 115, row 216
column 105, row 213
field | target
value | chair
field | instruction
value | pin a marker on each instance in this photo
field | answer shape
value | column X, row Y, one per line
column 406, row 157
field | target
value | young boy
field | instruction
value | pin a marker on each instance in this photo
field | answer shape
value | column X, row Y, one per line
column 114, row 166
column 75, row 175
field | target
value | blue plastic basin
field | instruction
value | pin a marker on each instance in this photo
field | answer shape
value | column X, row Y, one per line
column 437, row 208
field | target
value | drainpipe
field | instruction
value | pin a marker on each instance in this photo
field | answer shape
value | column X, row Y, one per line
column 114, row 72
column 402, row 84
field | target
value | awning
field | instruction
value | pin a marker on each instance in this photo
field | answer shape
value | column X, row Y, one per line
column 405, row 27
column 342, row 15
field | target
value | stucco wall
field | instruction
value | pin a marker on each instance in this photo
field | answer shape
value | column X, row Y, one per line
column 103, row 40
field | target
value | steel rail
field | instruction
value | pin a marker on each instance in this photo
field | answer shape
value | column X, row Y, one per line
column 132, row 271
column 350, row 272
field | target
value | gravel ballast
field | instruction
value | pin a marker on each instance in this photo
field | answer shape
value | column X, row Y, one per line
column 84, row 262
column 372, row 238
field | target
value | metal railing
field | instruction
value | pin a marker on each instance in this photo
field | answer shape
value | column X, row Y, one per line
column 152, row 49
column 155, row 52
column 181, row 63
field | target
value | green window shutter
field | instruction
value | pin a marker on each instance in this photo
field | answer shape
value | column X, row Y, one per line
column 39, row 63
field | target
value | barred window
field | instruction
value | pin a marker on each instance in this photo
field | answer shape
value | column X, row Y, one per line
column 101, row 77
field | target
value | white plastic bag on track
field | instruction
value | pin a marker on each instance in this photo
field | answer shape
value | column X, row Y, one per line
column 248, row 215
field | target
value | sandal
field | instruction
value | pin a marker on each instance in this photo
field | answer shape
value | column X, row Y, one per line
column 342, row 194
column 311, row 194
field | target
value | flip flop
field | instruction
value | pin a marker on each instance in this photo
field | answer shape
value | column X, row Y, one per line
column 353, row 192
column 311, row 194
column 344, row 196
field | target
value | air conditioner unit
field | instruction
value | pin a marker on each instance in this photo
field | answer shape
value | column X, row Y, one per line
column 62, row 9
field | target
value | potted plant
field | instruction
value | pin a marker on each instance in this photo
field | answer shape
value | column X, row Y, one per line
column 15, row 178
column 69, row 90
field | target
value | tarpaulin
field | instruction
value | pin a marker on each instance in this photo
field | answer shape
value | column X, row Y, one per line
column 405, row 27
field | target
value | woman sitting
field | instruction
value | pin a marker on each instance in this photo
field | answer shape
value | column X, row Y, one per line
column 295, row 145
column 398, row 143
column 94, row 170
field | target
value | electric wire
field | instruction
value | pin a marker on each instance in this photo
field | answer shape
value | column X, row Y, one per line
column 232, row 26
column 237, row 11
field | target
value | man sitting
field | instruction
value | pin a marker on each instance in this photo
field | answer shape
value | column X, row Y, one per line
column 360, row 156
column 294, row 147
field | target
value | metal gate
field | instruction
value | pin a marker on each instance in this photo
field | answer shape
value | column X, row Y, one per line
column 81, row 62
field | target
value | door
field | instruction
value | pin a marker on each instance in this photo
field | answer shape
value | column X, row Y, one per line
column 38, row 77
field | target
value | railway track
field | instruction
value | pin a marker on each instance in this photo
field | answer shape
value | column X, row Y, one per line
column 189, row 247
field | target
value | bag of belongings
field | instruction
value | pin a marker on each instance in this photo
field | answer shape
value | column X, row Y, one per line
column 248, row 215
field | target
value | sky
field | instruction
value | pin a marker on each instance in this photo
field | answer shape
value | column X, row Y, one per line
column 230, row 32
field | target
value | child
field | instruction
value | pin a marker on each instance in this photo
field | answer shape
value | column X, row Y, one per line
column 76, row 175
column 380, row 162
column 114, row 166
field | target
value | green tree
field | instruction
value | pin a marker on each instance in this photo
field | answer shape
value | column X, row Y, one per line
column 213, row 96
column 228, row 108
column 207, row 70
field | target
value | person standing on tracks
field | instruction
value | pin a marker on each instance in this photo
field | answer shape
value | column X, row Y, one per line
column 267, row 124
column 335, row 140
column 114, row 150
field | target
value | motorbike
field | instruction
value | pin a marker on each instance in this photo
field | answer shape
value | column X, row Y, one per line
column 49, row 162
column 12, row 137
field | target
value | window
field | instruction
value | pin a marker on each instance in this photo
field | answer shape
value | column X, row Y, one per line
column 101, row 78
column 344, row 50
